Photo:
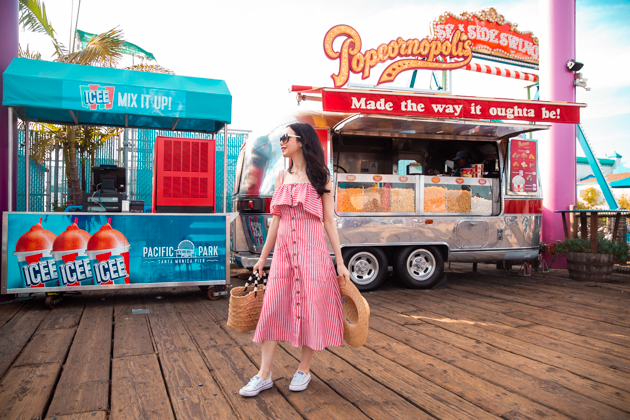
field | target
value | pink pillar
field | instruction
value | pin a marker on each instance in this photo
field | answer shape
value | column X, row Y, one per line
column 557, row 149
column 9, row 37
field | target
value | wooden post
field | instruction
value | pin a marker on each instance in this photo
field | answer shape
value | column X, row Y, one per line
column 593, row 232
column 564, row 224
column 573, row 221
column 616, row 228
column 583, row 228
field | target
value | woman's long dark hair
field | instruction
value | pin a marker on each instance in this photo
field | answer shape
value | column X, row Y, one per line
column 316, row 169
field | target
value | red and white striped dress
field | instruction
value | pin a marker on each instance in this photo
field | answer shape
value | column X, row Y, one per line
column 302, row 304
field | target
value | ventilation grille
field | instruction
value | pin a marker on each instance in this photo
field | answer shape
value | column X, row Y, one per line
column 185, row 172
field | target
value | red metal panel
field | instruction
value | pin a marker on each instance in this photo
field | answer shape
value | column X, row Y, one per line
column 523, row 207
column 185, row 156
column 194, row 164
column 203, row 157
column 184, row 172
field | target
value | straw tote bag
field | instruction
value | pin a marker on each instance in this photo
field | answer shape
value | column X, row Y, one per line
column 246, row 303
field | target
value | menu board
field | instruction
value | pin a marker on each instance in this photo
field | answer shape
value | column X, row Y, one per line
column 523, row 166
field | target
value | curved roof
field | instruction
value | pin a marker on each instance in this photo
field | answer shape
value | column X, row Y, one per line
column 45, row 91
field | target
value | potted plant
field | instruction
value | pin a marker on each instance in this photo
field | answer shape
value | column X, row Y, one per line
column 585, row 266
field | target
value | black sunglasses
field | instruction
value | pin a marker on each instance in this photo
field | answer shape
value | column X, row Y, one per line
column 285, row 138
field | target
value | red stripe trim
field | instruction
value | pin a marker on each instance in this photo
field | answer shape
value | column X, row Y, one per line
column 523, row 207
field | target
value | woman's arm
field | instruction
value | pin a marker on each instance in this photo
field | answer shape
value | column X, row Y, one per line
column 272, row 234
column 331, row 230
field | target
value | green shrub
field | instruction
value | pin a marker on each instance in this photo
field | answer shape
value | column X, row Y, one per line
column 604, row 246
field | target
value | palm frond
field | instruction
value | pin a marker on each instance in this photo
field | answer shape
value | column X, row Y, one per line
column 103, row 50
column 27, row 53
column 150, row 68
column 33, row 18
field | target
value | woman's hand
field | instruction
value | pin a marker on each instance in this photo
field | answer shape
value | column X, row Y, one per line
column 260, row 267
column 343, row 271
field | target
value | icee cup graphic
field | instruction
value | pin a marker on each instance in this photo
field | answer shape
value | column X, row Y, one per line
column 33, row 251
column 108, row 251
column 69, row 252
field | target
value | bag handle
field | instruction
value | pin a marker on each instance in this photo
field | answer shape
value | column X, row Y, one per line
column 255, row 279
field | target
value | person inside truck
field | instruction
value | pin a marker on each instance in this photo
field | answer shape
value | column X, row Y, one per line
column 462, row 160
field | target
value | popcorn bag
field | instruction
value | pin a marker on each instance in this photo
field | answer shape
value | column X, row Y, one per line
column 36, row 264
column 108, row 251
column 477, row 170
column 69, row 252
column 518, row 183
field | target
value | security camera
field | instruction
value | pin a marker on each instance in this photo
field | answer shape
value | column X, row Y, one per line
column 581, row 82
column 574, row 65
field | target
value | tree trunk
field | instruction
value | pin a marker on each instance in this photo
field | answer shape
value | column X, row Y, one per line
column 67, row 171
column 72, row 163
column 83, row 178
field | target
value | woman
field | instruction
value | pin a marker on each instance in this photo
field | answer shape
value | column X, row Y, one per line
column 302, row 303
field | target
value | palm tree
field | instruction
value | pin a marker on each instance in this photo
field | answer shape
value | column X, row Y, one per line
column 102, row 50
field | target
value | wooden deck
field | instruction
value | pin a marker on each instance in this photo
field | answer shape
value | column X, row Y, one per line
column 490, row 345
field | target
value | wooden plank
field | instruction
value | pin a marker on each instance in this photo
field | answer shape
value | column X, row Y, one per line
column 521, row 360
column 25, row 391
column 540, row 296
column 581, row 290
column 193, row 391
column 138, row 390
column 92, row 415
column 231, row 368
column 563, row 337
column 583, row 226
column 615, row 334
column 594, row 233
column 319, row 402
column 18, row 331
column 444, row 306
column 84, row 382
column 8, row 311
column 496, row 367
column 131, row 332
column 411, row 386
column 46, row 346
column 619, row 352
column 496, row 324
column 478, row 391
column 370, row 396
column 66, row 314
column 490, row 303
column 611, row 389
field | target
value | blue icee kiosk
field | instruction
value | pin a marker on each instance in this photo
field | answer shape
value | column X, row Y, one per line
column 54, row 253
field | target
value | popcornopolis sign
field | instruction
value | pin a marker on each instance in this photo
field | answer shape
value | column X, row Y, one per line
column 455, row 40
column 409, row 54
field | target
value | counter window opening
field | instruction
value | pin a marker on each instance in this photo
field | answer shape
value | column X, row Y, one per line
column 410, row 176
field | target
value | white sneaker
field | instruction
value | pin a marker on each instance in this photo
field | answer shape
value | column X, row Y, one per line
column 255, row 385
column 300, row 381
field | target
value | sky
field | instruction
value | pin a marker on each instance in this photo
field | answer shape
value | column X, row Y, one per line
column 261, row 48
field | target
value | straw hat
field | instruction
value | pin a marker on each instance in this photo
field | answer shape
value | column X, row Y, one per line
column 356, row 313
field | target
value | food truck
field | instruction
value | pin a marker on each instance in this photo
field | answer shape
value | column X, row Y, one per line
column 400, row 199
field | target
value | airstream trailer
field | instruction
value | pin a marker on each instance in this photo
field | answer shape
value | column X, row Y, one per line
column 397, row 200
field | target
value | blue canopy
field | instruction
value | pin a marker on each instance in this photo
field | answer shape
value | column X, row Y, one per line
column 622, row 183
column 45, row 91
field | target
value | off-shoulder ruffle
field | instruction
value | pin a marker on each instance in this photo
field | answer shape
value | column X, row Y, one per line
column 294, row 194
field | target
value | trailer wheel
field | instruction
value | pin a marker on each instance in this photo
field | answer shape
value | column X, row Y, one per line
column 367, row 266
column 420, row 268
